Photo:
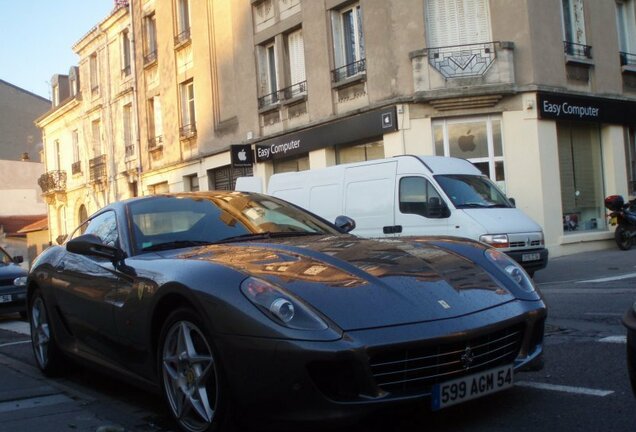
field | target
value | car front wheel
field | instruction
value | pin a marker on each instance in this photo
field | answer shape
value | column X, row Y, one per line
column 190, row 374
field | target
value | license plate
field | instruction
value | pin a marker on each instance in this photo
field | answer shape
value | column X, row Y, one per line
column 530, row 257
column 5, row 298
column 471, row 387
column 613, row 220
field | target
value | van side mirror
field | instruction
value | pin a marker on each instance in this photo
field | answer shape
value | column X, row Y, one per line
column 345, row 224
column 513, row 202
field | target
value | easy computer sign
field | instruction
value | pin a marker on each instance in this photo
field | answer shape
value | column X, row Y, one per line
column 573, row 108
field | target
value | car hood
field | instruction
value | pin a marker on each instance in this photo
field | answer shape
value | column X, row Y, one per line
column 503, row 220
column 11, row 271
column 359, row 283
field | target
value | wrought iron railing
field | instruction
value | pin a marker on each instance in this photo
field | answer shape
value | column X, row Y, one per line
column 52, row 181
column 628, row 59
column 155, row 142
column 461, row 61
column 349, row 70
column 577, row 50
column 294, row 90
column 151, row 57
column 188, row 131
column 182, row 37
column 267, row 100
column 97, row 168
column 76, row 168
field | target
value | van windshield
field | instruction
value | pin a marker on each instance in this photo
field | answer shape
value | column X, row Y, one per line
column 472, row 191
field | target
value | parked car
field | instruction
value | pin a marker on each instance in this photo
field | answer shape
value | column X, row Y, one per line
column 629, row 320
column 230, row 302
column 12, row 285
column 415, row 195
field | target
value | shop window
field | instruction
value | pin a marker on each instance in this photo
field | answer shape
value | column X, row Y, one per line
column 360, row 152
column 291, row 165
column 479, row 141
column 581, row 173
column 191, row 183
column 224, row 178
column 630, row 157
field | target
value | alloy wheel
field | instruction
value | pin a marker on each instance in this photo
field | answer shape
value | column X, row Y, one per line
column 190, row 376
column 40, row 332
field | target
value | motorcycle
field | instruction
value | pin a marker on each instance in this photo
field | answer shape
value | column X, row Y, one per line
column 623, row 216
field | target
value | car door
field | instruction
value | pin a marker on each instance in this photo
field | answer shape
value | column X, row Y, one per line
column 87, row 289
column 420, row 208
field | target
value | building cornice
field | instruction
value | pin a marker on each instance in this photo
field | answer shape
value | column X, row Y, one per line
column 57, row 112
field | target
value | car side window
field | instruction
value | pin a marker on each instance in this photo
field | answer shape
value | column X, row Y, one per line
column 104, row 226
column 418, row 196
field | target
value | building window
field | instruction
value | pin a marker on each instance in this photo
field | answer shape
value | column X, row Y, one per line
column 630, row 158
column 125, row 54
column 626, row 27
column 94, row 73
column 58, row 156
column 96, row 138
column 56, row 95
column 457, row 22
column 77, row 166
column 348, row 40
column 188, row 117
column 150, row 38
column 191, row 183
column 224, row 178
column 360, row 152
column 159, row 188
column 155, row 126
column 300, row 163
column 581, row 172
column 479, row 141
column 574, row 29
column 127, row 124
column 183, row 22
column 73, row 79
column 82, row 215
column 268, row 75
column 296, row 65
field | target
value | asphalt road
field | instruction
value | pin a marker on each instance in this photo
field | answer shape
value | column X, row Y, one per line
column 583, row 387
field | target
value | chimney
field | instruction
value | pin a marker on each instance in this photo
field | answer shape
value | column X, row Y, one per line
column 24, row 157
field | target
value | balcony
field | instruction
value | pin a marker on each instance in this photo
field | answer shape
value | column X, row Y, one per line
column 53, row 181
column 576, row 51
column 97, row 169
column 155, row 143
column 182, row 38
column 353, row 70
column 290, row 94
column 76, row 168
column 443, row 72
column 150, row 58
column 188, row 131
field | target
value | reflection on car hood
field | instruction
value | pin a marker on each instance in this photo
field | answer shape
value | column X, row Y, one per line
column 361, row 283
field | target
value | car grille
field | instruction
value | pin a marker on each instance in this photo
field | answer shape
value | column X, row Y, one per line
column 416, row 368
column 6, row 282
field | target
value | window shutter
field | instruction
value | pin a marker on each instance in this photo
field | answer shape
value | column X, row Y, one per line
column 457, row 22
column 338, row 50
column 296, row 57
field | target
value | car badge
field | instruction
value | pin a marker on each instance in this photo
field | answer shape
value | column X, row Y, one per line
column 444, row 304
column 467, row 358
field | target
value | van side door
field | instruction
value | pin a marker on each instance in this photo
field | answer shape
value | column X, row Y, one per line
column 420, row 208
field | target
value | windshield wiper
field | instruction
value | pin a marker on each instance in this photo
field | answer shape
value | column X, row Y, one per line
column 266, row 235
column 177, row 244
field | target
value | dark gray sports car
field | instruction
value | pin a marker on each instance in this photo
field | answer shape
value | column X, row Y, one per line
column 233, row 303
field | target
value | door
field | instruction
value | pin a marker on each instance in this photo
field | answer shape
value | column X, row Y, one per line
column 420, row 208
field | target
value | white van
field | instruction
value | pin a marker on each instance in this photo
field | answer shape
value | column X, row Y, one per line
column 413, row 196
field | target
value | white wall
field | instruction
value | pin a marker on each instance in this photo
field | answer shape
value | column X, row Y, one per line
column 20, row 194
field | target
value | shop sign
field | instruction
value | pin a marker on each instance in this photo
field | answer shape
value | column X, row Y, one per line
column 242, row 155
column 360, row 127
column 573, row 108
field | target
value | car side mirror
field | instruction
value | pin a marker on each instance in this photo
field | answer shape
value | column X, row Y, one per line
column 18, row 259
column 513, row 202
column 345, row 224
column 91, row 245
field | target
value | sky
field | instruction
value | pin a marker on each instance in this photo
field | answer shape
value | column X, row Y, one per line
column 37, row 36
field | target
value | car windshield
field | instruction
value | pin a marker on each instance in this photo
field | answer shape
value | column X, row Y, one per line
column 172, row 222
column 5, row 258
column 472, row 191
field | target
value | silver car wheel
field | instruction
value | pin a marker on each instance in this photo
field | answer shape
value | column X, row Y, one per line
column 40, row 332
column 190, row 376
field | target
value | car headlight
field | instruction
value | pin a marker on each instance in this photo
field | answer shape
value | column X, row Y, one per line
column 20, row 281
column 495, row 240
column 280, row 306
column 511, row 268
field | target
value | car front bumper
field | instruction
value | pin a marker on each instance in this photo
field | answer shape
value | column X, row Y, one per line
column 533, row 265
column 321, row 381
column 12, row 299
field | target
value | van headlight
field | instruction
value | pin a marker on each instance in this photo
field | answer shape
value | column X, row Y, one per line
column 280, row 306
column 495, row 240
column 511, row 268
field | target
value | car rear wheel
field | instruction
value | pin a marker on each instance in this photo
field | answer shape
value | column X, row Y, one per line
column 191, row 374
column 48, row 356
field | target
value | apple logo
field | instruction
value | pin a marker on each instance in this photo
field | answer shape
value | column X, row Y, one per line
column 242, row 156
column 467, row 142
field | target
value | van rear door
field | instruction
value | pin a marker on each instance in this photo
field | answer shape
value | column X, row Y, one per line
column 420, row 208
column 369, row 197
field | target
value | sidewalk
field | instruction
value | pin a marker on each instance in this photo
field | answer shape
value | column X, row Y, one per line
column 588, row 265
